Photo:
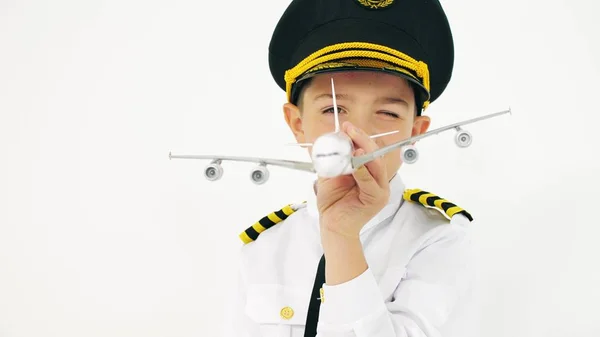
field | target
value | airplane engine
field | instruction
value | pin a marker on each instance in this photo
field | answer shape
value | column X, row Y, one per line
column 259, row 175
column 214, row 171
column 463, row 138
column 410, row 155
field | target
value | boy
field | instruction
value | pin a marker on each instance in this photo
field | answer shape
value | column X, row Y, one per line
column 362, row 256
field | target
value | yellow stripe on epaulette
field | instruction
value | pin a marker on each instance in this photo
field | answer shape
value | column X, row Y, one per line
column 268, row 221
column 432, row 200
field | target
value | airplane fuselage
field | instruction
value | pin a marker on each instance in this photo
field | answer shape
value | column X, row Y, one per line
column 332, row 155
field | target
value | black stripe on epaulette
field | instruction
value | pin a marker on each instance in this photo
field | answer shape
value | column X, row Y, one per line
column 445, row 205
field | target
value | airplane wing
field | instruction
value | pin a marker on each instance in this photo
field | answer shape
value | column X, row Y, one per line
column 296, row 165
column 361, row 160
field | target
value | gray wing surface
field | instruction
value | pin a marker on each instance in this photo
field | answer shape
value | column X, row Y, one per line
column 291, row 164
column 361, row 160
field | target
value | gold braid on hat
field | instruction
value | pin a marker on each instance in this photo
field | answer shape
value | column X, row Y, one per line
column 363, row 50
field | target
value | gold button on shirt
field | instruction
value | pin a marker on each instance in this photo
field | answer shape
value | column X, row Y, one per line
column 287, row 313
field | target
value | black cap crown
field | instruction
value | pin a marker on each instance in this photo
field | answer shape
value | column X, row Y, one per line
column 410, row 38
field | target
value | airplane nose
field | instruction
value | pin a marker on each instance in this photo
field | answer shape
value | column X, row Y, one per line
column 331, row 155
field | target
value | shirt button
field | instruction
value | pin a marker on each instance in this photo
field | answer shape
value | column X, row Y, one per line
column 286, row 313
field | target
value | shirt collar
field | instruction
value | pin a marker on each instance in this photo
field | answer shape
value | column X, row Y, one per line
column 395, row 200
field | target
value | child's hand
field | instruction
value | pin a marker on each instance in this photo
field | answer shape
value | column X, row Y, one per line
column 347, row 203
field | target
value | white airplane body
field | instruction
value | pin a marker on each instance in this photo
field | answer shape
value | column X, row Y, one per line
column 332, row 153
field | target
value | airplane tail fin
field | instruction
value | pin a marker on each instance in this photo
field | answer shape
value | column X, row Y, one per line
column 335, row 108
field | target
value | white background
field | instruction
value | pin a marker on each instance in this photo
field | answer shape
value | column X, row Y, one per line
column 102, row 235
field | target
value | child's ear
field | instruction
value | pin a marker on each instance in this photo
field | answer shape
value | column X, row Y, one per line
column 293, row 118
column 420, row 125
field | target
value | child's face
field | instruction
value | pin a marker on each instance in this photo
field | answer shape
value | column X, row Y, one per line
column 373, row 101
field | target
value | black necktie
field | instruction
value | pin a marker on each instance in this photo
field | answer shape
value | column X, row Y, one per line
column 312, row 318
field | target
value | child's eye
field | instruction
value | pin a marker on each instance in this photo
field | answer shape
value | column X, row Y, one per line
column 391, row 114
column 331, row 110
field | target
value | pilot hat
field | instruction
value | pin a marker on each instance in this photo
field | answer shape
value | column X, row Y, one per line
column 408, row 38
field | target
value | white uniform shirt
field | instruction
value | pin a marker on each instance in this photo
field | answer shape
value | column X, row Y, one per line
column 418, row 282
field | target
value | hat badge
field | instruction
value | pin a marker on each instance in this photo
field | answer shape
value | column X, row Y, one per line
column 375, row 4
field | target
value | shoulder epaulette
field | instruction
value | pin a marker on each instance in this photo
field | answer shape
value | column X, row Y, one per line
column 268, row 221
column 432, row 200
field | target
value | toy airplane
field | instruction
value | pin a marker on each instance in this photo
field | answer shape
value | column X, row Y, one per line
column 332, row 152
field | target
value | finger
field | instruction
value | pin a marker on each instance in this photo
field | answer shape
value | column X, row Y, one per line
column 370, row 190
column 376, row 167
column 359, row 137
column 362, row 141
column 331, row 190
